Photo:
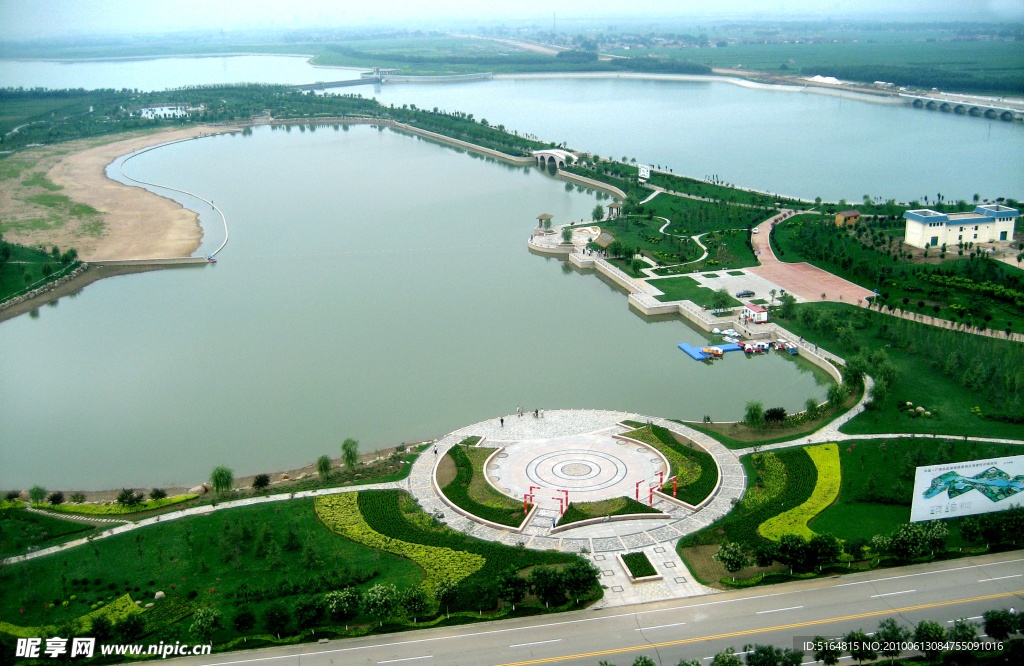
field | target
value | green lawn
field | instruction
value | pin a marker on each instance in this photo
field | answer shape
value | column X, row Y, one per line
column 706, row 190
column 919, row 381
column 878, row 479
column 685, row 287
column 208, row 558
column 690, row 216
column 20, row 529
column 26, row 269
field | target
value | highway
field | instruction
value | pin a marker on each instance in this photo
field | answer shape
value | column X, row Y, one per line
column 694, row 628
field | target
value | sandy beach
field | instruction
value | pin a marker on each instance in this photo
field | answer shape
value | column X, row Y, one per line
column 138, row 223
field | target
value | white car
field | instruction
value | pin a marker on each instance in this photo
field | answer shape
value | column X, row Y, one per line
column 755, row 230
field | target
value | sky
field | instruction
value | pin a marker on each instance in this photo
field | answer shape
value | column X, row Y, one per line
column 33, row 19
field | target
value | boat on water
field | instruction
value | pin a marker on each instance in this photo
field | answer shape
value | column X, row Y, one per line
column 731, row 339
column 712, row 351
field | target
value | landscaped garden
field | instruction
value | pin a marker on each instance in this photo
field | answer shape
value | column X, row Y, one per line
column 686, row 288
column 694, row 468
column 470, row 491
column 639, row 565
column 21, row 530
column 616, row 506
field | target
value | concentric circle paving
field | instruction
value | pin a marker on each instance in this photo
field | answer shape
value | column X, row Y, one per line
column 578, row 469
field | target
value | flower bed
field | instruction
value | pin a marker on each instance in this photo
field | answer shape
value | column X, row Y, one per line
column 826, row 490
column 384, row 512
column 114, row 509
column 695, row 468
column 771, row 475
column 619, row 506
column 497, row 511
column 342, row 514
column 638, row 564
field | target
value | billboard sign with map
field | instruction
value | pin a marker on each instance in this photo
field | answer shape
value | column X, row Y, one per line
column 967, row 488
column 644, row 171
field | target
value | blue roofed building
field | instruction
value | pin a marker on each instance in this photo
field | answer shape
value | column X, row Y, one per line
column 990, row 223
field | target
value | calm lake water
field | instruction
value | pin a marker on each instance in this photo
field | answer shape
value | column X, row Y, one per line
column 376, row 286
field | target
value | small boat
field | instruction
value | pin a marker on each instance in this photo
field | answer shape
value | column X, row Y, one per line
column 211, row 259
column 716, row 331
column 750, row 348
column 731, row 339
column 792, row 348
column 732, row 333
column 712, row 351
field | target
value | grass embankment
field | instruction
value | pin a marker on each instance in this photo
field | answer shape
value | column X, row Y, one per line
column 878, row 480
column 232, row 560
column 946, row 372
column 706, row 190
column 23, row 269
column 686, row 288
column 470, row 491
column 639, row 565
column 694, row 467
column 21, row 530
column 618, row 506
column 114, row 509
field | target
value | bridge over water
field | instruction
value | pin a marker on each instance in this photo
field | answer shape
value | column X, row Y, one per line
column 971, row 107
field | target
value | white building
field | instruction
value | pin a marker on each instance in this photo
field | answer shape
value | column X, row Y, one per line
column 986, row 224
column 754, row 313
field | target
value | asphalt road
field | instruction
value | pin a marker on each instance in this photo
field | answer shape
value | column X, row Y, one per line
column 694, row 628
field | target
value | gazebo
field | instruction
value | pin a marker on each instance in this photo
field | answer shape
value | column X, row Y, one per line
column 543, row 221
column 614, row 208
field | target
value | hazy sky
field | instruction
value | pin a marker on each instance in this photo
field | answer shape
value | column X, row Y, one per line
column 28, row 19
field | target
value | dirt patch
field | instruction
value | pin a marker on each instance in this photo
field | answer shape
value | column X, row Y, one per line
column 446, row 471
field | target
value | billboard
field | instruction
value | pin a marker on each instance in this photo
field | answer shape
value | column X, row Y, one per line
column 645, row 171
column 967, row 488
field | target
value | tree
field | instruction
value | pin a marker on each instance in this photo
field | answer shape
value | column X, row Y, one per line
column 381, row 602
column 415, row 601
column 644, row 660
column 323, row 467
column 999, row 624
column 793, row 552
column 446, row 592
column 772, row 293
column 342, row 604
column 129, row 498
column 754, row 416
column 929, row 635
column 837, row 395
column 37, row 494
column 244, row 622
column 726, row 658
column 308, row 612
column 276, row 619
column 56, row 497
column 892, row 634
column 963, row 631
column 720, row 299
column 157, row 494
column 547, row 584
column 260, row 481
column 205, row 621
column 598, row 213
column 102, row 629
column 131, row 628
column 787, row 306
column 822, row 549
column 350, row 453
column 765, row 553
column 580, row 577
column 222, row 479
column 769, row 655
column 566, row 234
column 512, row 587
column 860, row 646
column 732, row 556
column 826, row 651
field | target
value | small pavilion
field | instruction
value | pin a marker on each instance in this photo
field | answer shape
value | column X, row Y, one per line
column 543, row 221
column 614, row 209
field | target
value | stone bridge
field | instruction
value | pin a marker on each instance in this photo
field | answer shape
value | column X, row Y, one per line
column 555, row 156
column 963, row 107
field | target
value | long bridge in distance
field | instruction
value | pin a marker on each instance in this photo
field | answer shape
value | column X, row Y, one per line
column 383, row 76
column 969, row 106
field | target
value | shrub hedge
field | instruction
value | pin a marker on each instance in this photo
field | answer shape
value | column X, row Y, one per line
column 458, row 492
column 639, row 565
column 695, row 490
column 826, row 490
column 114, row 509
column 578, row 512
column 342, row 513
column 741, row 525
column 771, row 480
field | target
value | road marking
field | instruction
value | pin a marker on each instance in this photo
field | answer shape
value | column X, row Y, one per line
column 395, row 661
column 556, row 640
column 891, row 594
column 777, row 610
column 987, row 580
column 748, row 632
column 976, row 617
column 928, row 573
column 660, row 626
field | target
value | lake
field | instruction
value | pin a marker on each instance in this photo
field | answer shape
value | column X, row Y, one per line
column 376, row 286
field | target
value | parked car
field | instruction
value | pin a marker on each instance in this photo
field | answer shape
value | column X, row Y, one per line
column 744, row 294
column 755, row 230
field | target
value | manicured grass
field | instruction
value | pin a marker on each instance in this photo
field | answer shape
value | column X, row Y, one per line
column 878, row 478
column 470, row 491
column 695, row 468
column 214, row 556
column 722, row 192
column 642, row 235
column 918, row 381
column 826, row 490
column 690, row 216
column 20, row 529
column 115, row 509
column 639, row 565
column 618, row 506
column 685, row 287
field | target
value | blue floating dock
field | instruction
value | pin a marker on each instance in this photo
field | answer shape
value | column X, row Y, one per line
column 696, row 354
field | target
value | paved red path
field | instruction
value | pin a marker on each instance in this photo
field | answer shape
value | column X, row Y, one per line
column 801, row 279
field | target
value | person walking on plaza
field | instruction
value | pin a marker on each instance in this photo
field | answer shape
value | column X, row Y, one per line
column 502, row 421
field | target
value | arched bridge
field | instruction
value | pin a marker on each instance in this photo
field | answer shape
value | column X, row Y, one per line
column 554, row 156
column 972, row 108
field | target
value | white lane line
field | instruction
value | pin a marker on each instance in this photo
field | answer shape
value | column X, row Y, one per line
column 395, row 661
column 777, row 610
column 929, row 573
column 976, row 617
column 987, row 580
column 738, row 654
column 556, row 640
column 660, row 626
column 891, row 594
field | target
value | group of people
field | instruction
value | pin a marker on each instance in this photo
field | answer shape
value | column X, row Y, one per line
column 537, row 414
